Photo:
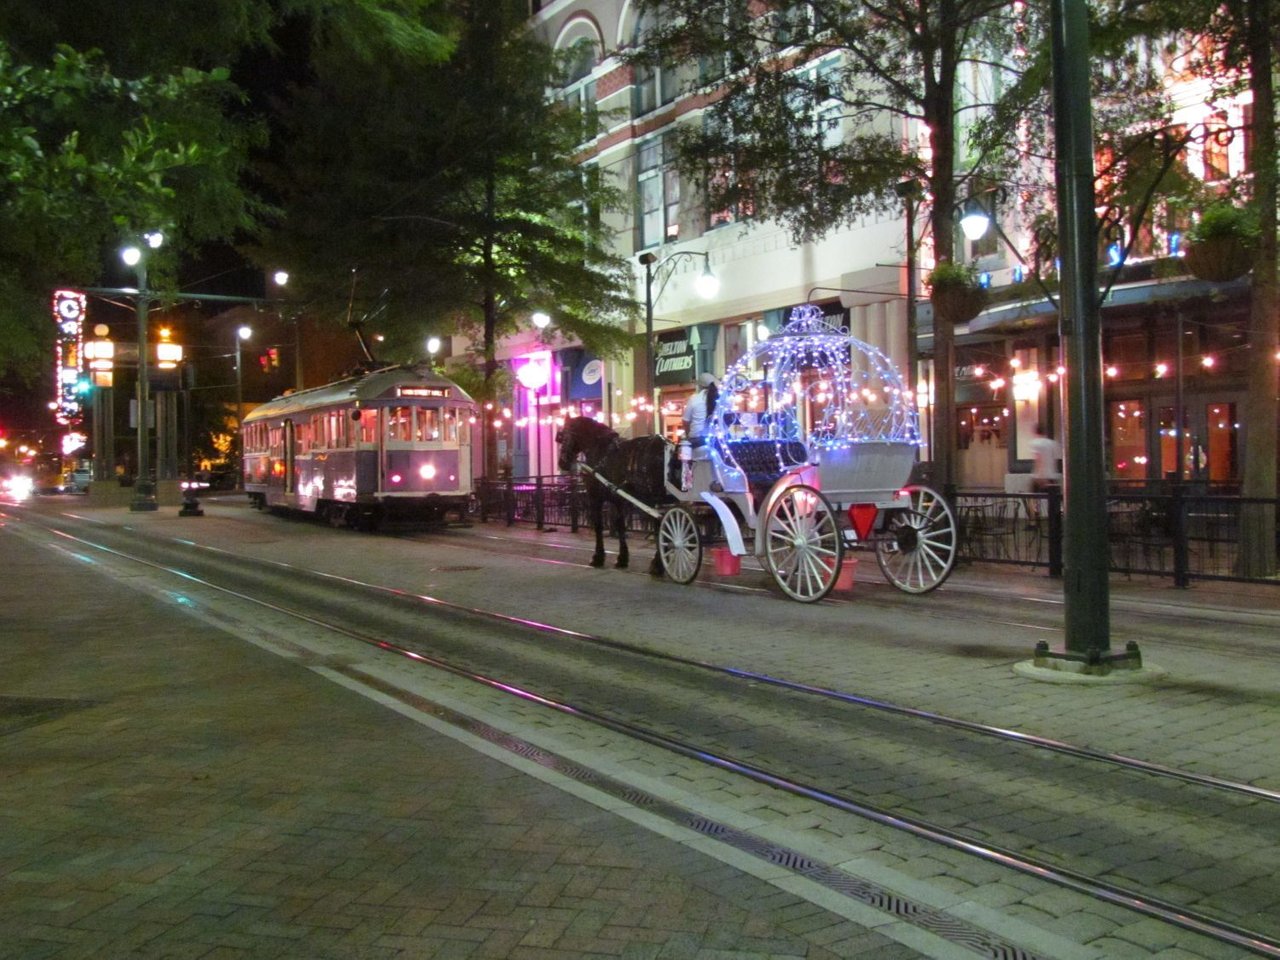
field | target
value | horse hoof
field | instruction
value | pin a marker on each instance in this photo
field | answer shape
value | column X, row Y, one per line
column 597, row 561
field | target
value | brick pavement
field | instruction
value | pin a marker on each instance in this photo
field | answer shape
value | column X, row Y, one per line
column 170, row 791
column 337, row 772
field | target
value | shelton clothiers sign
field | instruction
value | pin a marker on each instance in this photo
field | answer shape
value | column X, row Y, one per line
column 674, row 363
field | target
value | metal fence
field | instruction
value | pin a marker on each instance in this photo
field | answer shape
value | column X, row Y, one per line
column 1183, row 535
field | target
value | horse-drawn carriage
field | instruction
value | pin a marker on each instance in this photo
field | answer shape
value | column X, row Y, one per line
column 812, row 447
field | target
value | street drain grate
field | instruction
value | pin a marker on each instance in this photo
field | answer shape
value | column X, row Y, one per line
column 18, row 713
column 939, row 922
column 458, row 568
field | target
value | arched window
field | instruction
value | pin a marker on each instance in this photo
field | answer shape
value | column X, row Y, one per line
column 654, row 85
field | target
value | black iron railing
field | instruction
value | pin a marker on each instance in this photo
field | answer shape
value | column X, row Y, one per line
column 1182, row 533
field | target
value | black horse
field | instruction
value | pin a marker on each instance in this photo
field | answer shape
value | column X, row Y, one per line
column 632, row 465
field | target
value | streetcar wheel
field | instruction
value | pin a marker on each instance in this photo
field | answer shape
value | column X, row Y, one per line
column 803, row 544
column 917, row 550
column 678, row 544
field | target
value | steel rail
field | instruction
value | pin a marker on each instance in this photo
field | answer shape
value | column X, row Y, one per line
column 1165, row 911
column 970, row 726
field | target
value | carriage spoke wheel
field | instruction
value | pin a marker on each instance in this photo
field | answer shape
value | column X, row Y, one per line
column 678, row 544
column 917, row 550
column 803, row 545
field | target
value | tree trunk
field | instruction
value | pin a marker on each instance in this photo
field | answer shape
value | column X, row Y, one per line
column 940, row 117
column 490, row 322
column 1258, row 520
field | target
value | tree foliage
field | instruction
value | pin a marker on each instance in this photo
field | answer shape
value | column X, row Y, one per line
column 90, row 158
column 123, row 115
column 452, row 193
column 818, row 141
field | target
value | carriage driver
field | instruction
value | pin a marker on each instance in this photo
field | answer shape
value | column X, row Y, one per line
column 698, row 413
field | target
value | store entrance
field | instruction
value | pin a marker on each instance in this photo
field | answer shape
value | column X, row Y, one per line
column 1210, row 442
column 1142, row 447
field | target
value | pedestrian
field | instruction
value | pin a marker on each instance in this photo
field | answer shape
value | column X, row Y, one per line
column 1045, row 457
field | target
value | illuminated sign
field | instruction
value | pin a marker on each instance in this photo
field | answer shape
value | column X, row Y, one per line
column 441, row 392
column 68, row 317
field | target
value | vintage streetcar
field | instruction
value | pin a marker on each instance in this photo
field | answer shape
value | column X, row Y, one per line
column 389, row 443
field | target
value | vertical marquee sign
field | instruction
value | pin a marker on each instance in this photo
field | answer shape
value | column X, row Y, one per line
column 68, row 318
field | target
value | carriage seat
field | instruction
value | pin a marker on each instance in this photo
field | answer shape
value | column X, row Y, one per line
column 762, row 462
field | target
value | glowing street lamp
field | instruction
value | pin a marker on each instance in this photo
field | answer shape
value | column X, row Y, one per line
column 242, row 334
column 707, row 286
column 144, row 492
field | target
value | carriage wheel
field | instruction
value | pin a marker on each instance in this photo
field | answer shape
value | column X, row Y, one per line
column 678, row 544
column 803, row 544
column 917, row 550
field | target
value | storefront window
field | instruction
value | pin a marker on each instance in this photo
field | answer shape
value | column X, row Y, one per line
column 1127, row 439
column 983, row 425
column 1221, row 460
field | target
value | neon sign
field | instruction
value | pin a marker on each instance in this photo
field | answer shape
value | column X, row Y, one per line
column 68, row 316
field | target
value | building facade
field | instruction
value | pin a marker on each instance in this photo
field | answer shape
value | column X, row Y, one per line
column 1171, row 342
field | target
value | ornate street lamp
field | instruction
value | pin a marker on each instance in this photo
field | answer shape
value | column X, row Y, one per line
column 144, row 491
column 707, row 285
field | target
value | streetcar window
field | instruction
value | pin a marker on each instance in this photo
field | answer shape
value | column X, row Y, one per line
column 369, row 427
column 451, row 425
column 400, row 423
column 428, row 424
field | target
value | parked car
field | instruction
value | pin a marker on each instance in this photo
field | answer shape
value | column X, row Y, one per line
column 77, row 481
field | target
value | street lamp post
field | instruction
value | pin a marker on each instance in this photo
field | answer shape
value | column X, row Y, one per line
column 144, row 491
column 707, row 285
column 242, row 334
column 909, row 191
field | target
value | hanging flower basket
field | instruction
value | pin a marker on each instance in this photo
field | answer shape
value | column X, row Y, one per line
column 957, row 303
column 1218, row 259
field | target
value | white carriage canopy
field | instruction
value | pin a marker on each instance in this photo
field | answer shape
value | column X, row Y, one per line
column 814, row 383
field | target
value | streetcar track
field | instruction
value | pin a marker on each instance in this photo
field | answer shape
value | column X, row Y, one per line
column 846, row 697
column 1199, row 613
column 1104, row 890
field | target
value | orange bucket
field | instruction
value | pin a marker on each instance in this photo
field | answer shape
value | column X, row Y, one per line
column 727, row 563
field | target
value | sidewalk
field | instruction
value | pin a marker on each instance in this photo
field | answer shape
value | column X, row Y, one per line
column 170, row 791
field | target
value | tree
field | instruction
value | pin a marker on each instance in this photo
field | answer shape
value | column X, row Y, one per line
column 776, row 100
column 454, row 195
column 90, row 157
column 1242, row 43
column 1232, row 47
column 106, row 132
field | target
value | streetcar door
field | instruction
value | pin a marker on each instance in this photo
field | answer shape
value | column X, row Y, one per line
column 290, row 459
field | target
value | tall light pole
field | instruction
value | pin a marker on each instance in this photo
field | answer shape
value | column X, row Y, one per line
column 910, row 191
column 281, row 279
column 707, row 285
column 144, row 491
column 242, row 334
